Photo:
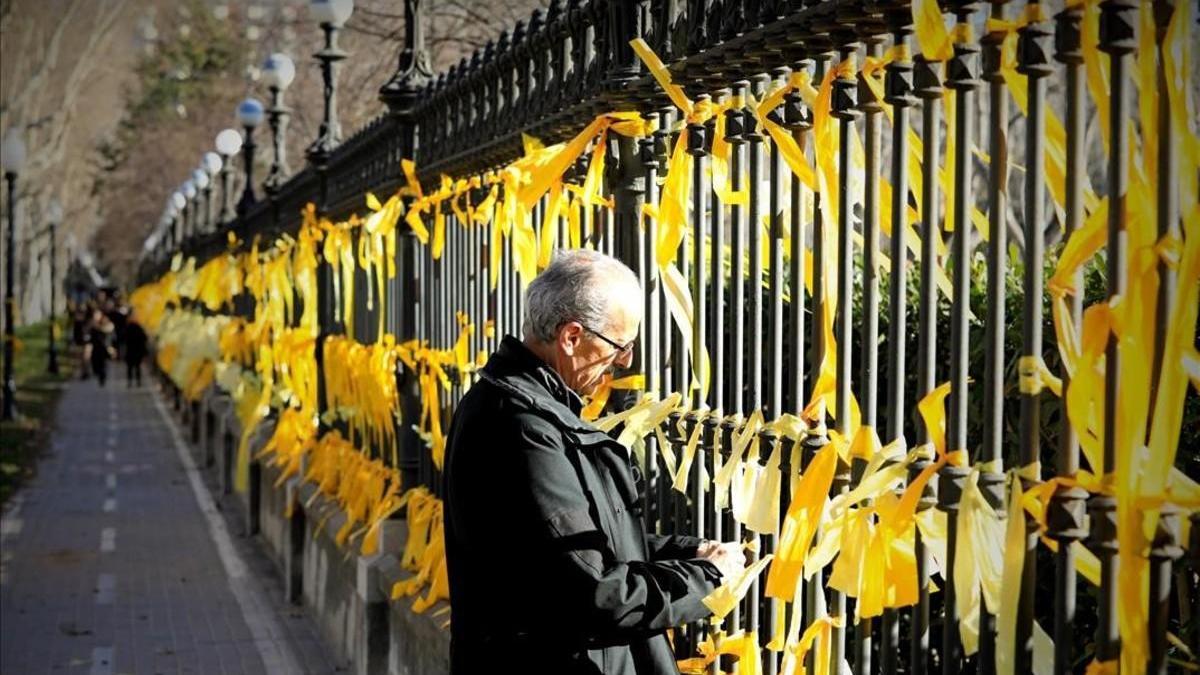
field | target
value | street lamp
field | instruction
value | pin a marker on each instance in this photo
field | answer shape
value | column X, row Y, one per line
column 229, row 142
column 203, row 191
column 211, row 164
column 161, row 236
column 331, row 14
column 54, row 213
column 250, row 115
column 12, row 158
column 278, row 73
column 178, row 202
column 151, row 242
column 189, row 218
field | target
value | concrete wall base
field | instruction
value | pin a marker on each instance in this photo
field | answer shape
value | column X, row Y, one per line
column 347, row 594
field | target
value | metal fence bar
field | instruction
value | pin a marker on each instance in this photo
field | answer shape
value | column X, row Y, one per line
column 737, row 301
column 991, row 480
column 650, row 329
column 1066, row 509
column 960, row 77
column 666, row 354
column 897, row 93
column 871, row 110
column 698, row 239
column 816, row 582
column 844, row 104
column 1033, row 62
column 716, row 344
column 927, row 80
column 773, row 620
column 1165, row 546
column 1117, row 39
column 754, row 214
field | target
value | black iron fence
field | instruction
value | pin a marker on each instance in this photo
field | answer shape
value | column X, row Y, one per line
column 925, row 287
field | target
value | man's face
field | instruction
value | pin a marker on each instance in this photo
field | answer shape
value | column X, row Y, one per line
column 586, row 353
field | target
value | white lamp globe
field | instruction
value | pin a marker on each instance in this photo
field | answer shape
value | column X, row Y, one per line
column 212, row 163
column 229, row 142
column 54, row 211
column 189, row 189
column 333, row 12
column 200, row 178
column 279, row 71
column 12, row 151
column 178, row 201
column 250, row 113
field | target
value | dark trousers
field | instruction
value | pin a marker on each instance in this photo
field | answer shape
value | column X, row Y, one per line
column 100, row 369
column 133, row 372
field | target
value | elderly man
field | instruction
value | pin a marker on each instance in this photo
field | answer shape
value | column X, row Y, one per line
column 551, row 570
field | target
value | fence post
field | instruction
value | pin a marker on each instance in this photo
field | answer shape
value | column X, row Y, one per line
column 897, row 92
column 402, row 94
column 845, row 109
column 1117, row 38
column 927, row 76
column 1065, row 516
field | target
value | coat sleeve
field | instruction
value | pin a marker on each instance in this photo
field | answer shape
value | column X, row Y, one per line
column 671, row 546
column 608, row 598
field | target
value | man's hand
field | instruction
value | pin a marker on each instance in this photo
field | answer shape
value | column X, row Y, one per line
column 728, row 557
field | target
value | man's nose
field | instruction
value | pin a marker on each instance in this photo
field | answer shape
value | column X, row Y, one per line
column 625, row 359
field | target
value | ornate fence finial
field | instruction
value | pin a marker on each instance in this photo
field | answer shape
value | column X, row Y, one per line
column 402, row 91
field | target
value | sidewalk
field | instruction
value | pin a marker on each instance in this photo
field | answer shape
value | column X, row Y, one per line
column 115, row 559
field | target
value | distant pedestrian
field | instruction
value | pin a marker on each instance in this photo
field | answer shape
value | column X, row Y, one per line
column 135, row 350
column 79, row 336
column 118, row 314
column 100, row 342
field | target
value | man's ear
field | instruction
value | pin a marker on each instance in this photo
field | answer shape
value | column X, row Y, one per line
column 569, row 337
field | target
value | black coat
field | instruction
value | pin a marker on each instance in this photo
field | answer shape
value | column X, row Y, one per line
column 135, row 342
column 551, row 570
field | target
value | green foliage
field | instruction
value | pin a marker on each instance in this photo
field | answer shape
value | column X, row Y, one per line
column 37, row 392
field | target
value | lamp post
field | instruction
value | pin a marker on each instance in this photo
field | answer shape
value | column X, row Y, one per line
column 55, row 215
column 162, row 242
column 12, row 158
column 250, row 115
column 203, row 190
column 331, row 14
column 211, row 164
column 167, row 241
column 278, row 73
column 189, row 220
column 150, row 249
column 229, row 142
column 178, row 201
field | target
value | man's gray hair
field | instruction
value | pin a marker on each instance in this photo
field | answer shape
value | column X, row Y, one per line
column 578, row 285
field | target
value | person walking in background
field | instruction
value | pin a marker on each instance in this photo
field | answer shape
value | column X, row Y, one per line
column 100, row 342
column 79, row 336
column 117, row 313
column 135, row 349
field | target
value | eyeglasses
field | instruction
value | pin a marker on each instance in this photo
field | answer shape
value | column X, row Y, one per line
column 621, row 349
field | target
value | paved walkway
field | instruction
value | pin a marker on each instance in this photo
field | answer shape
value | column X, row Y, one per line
column 116, row 560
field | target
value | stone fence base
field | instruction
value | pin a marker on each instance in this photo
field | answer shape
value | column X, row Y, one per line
column 346, row 593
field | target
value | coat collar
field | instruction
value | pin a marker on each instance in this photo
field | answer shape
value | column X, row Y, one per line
column 516, row 369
